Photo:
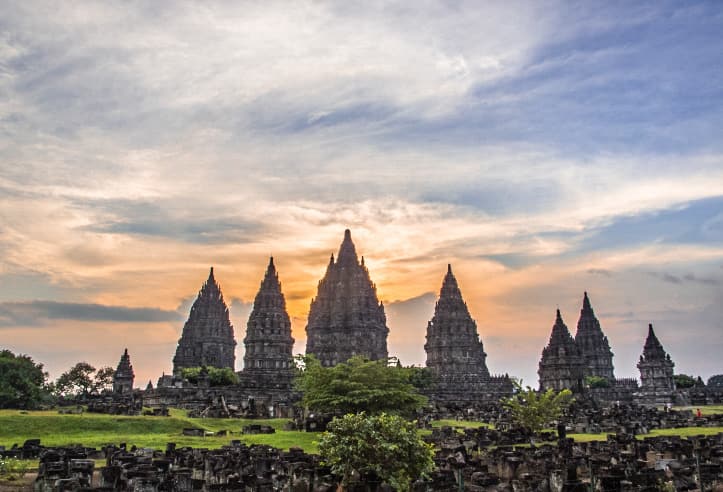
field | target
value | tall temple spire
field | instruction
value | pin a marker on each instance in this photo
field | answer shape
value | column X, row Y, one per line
column 561, row 364
column 124, row 375
column 656, row 372
column 208, row 337
column 454, row 351
column 346, row 317
column 268, row 341
column 593, row 344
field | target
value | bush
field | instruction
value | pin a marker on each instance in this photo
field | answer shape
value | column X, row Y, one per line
column 384, row 445
column 597, row 382
column 217, row 376
column 12, row 469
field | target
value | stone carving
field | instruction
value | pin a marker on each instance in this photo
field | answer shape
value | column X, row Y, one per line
column 455, row 353
column 346, row 317
column 593, row 344
column 561, row 365
column 207, row 338
column 656, row 373
column 268, row 342
column 124, row 375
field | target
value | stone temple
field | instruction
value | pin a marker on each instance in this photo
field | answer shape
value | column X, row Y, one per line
column 656, row 372
column 207, row 338
column 593, row 344
column 346, row 317
column 455, row 353
column 124, row 375
column 561, row 364
column 269, row 345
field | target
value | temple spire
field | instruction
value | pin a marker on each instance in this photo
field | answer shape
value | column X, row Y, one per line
column 268, row 340
column 345, row 317
column 561, row 365
column 593, row 343
column 347, row 251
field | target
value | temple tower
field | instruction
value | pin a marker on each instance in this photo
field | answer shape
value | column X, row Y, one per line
column 561, row 364
column 268, row 342
column 346, row 317
column 455, row 353
column 124, row 375
column 207, row 338
column 593, row 344
column 656, row 373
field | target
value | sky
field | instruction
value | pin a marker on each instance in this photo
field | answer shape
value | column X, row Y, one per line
column 543, row 149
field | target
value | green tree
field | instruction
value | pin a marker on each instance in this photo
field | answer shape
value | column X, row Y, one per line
column 217, row 376
column 684, row 381
column 536, row 409
column 597, row 382
column 78, row 381
column 103, row 379
column 22, row 381
column 385, row 445
column 358, row 385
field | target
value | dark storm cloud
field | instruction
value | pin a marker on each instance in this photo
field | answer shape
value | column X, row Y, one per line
column 33, row 313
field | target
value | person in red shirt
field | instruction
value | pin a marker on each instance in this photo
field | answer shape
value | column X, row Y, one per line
column 697, row 413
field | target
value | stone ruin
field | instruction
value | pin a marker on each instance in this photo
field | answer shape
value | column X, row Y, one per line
column 346, row 317
column 656, row 372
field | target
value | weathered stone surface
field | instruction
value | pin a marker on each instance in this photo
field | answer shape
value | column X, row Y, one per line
column 656, row 373
column 269, row 344
column 207, row 338
column 455, row 353
column 593, row 344
column 346, row 317
column 561, row 365
column 124, row 375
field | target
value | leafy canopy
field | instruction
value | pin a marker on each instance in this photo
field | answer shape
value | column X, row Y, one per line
column 217, row 376
column 82, row 380
column 387, row 446
column 684, row 381
column 22, row 381
column 597, row 382
column 358, row 385
column 535, row 410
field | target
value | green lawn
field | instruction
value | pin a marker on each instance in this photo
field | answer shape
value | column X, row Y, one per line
column 95, row 430
column 705, row 410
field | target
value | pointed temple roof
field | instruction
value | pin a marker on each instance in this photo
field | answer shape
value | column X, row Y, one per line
column 560, row 334
column 561, row 365
column 453, row 345
column 208, row 336
column 124, row 369
column 593, row 343
column 346, row 317
column 653, row 349
column 268, row 340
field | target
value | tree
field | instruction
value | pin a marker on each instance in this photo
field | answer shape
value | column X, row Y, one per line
column 103, row 380
column 217, row 376
column 22, row 381
column 383, row 445
column 597, row 382
column 358, row 385
column 684, row 381
column 534, row 410
column 78, row 381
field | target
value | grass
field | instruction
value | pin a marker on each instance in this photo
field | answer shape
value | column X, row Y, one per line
column 96, row 430
column 705, row 409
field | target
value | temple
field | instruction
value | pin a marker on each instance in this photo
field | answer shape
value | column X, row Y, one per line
column 123, row 376
column 455, row 353
column 593, row 344
column 561, row 364
column 269, row 345
column 346, row 317
column 656, row 373
column 207, row 338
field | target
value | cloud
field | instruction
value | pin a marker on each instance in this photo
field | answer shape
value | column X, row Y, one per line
column 599, row 271
column 34, row 312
